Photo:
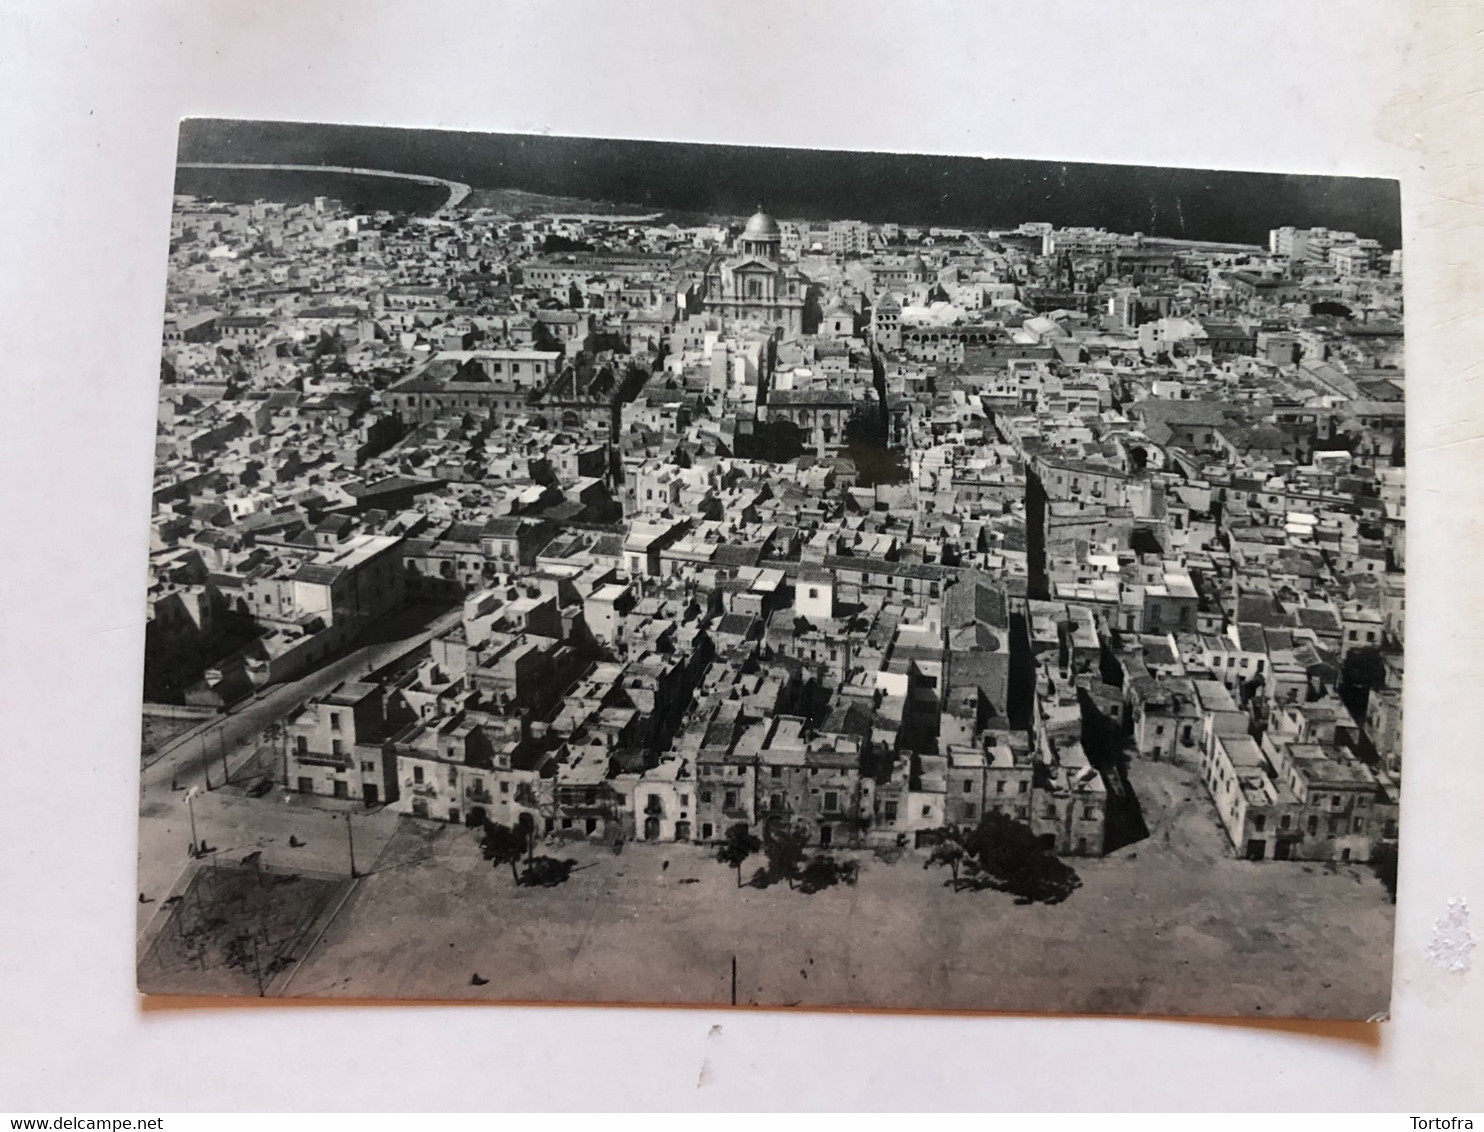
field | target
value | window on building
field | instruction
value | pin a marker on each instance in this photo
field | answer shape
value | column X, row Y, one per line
column 301, row 744
column 417, row 774
column 453, row 776
column 777, row 771
column 831, row 802
column 889, row 811
column 1313, row 824
column 927, row 811
column 1089, row 813
column 1285, row 821
column 813, row 591
column 729, row 799
column 337, row 748
column 1259, row 823
column 1023, row 787
column 334, row 721
column 705, row 797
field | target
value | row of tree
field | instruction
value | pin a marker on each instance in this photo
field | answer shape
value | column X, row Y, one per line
column 786, row 851
column 506, row 845
column 999, row 853
column 1003, row 854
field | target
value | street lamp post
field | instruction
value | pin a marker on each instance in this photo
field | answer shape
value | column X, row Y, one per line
column 191, row 809
column 350, row 838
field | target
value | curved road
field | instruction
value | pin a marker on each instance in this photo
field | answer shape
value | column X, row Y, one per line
column 457, row 190
column 182, row 759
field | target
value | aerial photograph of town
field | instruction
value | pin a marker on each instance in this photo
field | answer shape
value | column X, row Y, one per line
column 631, row 572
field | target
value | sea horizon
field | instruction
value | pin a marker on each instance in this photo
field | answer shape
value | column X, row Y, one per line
column 726, row 180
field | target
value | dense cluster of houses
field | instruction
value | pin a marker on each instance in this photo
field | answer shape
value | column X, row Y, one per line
column 862, row 528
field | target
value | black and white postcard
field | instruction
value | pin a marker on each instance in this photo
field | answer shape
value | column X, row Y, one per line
column 636, row 572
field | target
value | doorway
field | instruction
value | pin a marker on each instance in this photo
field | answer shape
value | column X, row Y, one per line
column 370, row 793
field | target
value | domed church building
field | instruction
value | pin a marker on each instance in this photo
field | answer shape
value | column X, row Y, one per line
column 753, row 289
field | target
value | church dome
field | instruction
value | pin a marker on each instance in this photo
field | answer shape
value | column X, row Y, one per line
column 760, row 226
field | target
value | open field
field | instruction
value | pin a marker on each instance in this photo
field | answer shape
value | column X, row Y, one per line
column 233, row 930
column 1169, row 925
column 290, row 832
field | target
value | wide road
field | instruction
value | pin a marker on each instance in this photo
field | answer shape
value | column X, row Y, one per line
column 457, row 190
column 188, row 758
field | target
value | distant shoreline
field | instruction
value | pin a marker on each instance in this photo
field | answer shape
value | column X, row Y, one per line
column 920, row 190
column 457, row 190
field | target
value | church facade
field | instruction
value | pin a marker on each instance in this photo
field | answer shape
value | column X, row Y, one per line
column 754, row 289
